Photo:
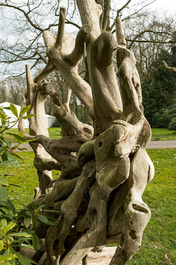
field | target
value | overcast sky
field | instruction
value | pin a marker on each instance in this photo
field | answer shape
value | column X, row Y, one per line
column 165, row 5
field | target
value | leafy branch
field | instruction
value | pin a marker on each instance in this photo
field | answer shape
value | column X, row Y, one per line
column 7, row 155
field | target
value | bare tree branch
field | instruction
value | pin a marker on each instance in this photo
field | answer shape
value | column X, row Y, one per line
column 151, row 41
column 169, row 68
column 123, row 7
column 25, row 14
column 119, row 11
column 131, row 15
column 149, row 31
column 72, row 23
column 60, row 34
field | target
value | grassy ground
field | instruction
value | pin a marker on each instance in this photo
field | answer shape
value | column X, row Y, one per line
column 157, row 134
column 54, row 133
column 159, row 241
column 163, row 134
column 22, row 175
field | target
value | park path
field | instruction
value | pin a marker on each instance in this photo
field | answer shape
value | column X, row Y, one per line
column 152, row 145
column 162, row 144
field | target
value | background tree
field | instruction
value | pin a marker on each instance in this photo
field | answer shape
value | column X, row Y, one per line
column 3, row 92
column 160, row 91
column 12, row 89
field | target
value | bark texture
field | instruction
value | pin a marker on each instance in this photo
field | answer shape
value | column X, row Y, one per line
column 105, row 168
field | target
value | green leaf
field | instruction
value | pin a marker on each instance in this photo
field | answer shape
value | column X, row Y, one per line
column 10, row 156
column 4, row 156
column 3, row 223
column 14, row 110
column 42, row 218
column 1, row 149
column 51, row 223
column 24, row 234
column 36, row 242
column 41, row 206
column 18, row 137
column 13, row 261
column 12, row 208
column 15, row 185
column 14, row 147
column 9, row 256
column 28, row 246
column 28, row 213
column 4, row 259
column 27, row 207
column 27, row 221
column 4, row 204
column 2, row 115
column 2, row 109
column 22, row 149
column 1, row 245
column 3, row 121
column 51, row 211
column 2, row 141
column 3, row 192
column 28, row 116
column 8, row 108
column 3, row 182
column 23, row 260
column 2, row 212
column 17, row 156
column 10, row 226
column 24, row 110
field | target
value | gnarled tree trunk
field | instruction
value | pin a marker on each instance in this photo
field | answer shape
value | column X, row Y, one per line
column 105, row 169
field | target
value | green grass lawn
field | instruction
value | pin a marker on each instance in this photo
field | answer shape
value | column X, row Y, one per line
column 163, row 134
column 54, row 133
column 159, row 241
column 22, row 175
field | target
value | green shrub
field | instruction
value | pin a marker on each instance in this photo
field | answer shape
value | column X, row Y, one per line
column 172, row 124
column 163, row 118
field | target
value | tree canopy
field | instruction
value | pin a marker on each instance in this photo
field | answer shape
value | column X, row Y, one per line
column 160, row 91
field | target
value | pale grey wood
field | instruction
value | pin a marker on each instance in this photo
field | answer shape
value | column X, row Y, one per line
column 105, row 168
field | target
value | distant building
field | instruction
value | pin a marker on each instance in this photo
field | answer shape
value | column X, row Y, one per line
column 49, row 119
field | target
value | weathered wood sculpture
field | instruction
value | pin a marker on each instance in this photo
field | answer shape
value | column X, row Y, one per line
column 104, row 171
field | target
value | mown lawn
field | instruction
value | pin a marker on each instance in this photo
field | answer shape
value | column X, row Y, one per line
column 159, row 241
column 24, row 175
column 54, row 133
column 163, row 134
